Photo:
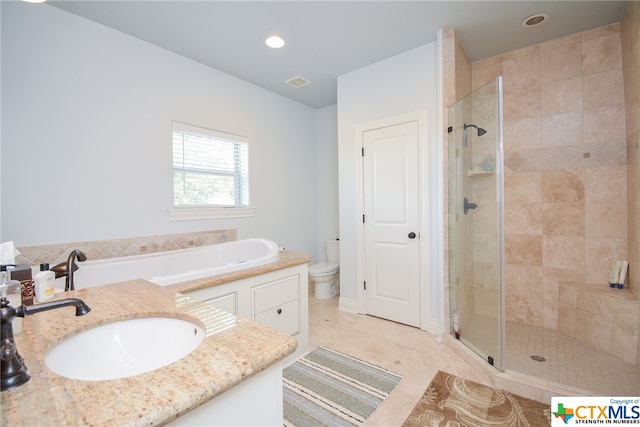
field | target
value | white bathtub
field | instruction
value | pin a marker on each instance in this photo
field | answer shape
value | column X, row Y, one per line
column 167, row 268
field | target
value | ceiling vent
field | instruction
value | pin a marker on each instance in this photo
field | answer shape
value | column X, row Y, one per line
column 298, row 82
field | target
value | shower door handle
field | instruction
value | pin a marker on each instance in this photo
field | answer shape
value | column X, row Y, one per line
column 468, row 206
column 412, row 235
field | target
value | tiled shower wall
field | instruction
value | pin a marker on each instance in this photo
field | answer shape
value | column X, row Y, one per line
column 631, row 70
column 566, row 198
column 565, row 167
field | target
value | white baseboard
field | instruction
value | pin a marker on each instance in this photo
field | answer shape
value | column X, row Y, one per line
column 349, row 305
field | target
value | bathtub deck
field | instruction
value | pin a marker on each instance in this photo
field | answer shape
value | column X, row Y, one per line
column 287, row 259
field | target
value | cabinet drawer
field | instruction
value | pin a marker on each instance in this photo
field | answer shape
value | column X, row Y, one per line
column 284, row 318
column 275, row 293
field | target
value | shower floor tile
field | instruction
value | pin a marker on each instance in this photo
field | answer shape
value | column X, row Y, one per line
column 568, row 361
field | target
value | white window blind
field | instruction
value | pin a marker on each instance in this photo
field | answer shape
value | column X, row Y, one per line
column 210, row 168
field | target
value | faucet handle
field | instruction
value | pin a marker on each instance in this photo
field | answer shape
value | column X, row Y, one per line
column 7, row 349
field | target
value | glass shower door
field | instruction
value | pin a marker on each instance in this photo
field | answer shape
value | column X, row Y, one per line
column 475, row 222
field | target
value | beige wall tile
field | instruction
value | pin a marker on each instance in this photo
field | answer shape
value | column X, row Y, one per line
column 523, row 188
column 596, row 303
column 604, row 124
column 519, row 53
column 566, row 275
column 567, row 298
column 606, row 184
column 563, row 186
column 606, row 219
column 561, row 62
column 561, row 96
column 484, row 71
column 624, row 343
column 605, row 30
column 523, row 249
column 563, row 219
column 521, row 103
column 601, row 54
column 593, row 329
column 551, row 296
column 525, row 218
column 524, row 133
column 524, row 299
column 562, row 129
column 600, row 154
column 626, row 313
column 603, row 89
column 559, row 42
column 564, row 252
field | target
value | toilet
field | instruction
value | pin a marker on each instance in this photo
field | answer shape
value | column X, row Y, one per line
column 324, row 274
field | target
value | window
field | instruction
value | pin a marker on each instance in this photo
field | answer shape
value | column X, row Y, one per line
column 210, row 174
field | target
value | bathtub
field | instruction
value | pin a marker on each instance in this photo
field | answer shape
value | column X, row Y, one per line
column 167, row 268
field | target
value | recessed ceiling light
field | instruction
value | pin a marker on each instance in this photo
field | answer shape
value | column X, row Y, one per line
column 535, row 20
column 34, row 1
column 275, row 42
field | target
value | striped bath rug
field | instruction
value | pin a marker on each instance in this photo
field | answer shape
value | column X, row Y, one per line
column 328, row 388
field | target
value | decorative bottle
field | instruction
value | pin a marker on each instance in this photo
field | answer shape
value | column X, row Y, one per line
column 45, row 283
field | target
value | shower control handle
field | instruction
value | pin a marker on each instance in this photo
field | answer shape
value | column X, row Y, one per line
column 412, row 235
column 467, row 206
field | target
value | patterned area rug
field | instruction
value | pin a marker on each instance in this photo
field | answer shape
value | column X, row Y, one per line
column 327, row 388
column 451, row 401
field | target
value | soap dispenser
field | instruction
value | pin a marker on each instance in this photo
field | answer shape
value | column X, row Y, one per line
column 45, row 281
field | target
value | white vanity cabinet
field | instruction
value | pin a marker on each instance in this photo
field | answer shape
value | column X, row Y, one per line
column 278, row 299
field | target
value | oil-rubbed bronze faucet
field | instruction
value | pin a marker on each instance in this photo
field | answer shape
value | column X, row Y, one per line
column 67, row 268
column 13, row 368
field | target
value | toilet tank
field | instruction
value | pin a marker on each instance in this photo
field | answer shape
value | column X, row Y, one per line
column 332, row 250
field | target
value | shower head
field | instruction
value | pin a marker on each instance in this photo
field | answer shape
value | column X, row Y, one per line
column 481, row 131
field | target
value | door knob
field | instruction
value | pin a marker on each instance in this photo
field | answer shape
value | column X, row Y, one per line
column 412, row 235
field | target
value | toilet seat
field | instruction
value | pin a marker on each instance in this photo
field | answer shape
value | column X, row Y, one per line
column 322, row 268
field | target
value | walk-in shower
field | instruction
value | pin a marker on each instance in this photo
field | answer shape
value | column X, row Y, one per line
column 491, row 286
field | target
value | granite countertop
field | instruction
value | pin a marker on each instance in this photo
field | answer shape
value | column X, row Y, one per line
column 222, row 360
column 286, row 259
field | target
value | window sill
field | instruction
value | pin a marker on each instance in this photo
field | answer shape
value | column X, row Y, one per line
column 198, row 213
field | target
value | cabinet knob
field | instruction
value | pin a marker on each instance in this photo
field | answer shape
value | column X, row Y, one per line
column 279, row 311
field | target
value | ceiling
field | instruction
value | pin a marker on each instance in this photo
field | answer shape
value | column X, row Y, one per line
column 325, row 39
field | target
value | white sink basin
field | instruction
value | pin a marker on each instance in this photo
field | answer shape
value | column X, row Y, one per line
column 124, row 349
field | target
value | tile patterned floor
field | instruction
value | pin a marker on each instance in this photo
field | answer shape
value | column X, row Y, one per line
column 418, row 356
column 403, row 349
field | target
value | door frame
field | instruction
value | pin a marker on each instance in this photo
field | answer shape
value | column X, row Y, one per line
column 427, row 321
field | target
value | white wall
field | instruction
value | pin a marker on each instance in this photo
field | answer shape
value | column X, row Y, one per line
column 401, row 84
column 86, row 146
column 327, row 170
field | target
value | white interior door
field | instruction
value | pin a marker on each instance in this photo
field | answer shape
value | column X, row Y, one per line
column 391, row 223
